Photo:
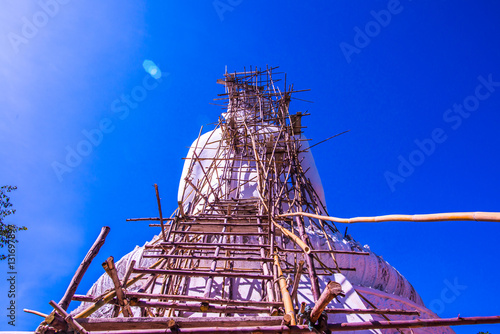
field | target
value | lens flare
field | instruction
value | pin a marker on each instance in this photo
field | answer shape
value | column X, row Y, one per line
column 152, row 69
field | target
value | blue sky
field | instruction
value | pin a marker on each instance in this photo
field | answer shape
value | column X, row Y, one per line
column 391, row 72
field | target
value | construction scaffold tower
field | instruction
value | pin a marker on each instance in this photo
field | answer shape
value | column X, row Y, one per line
column 236, row 256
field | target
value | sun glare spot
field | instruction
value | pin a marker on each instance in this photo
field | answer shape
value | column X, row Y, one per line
column 151, row 68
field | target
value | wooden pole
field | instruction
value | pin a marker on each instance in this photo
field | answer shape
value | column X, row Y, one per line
column 109, row 267
column 296, row 281
column 75, row 281
column 332, row 290
column 36, row 313
column 203, row 307
column 110, row 295
column 214, row 326
column 68, row 318
column 213, row 266
column 202, row 299
column 295, row 238
column 128, row 273
column 194, row 273
column 160, row 212
column 285, row 295
column 434, row 217
column 338, row 327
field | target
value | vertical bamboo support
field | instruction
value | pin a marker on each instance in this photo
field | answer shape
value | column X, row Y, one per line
column 160, row 213
column 310, row 263
column 285, row 295
column 213, row 267
column 265, row 265
column 296, row 281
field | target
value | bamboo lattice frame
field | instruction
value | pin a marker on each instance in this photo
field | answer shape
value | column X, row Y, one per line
column 218, row 233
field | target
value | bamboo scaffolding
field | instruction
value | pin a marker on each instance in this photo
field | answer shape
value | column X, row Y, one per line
column 218, row 235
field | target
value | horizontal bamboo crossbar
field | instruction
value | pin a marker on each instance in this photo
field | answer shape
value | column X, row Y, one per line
column 370, row 311
column 209, row 223
column 220, row 233
column 433, row 217
column 196, row 246
column 102, row 324
column 147, row 219
column 201, row 273
column 337, row 327
column 203, row 299
column 208, row 257
column 288, row 250
column 196, row 307
column 243, row 246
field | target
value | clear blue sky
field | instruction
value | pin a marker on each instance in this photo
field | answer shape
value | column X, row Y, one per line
column 389, row 71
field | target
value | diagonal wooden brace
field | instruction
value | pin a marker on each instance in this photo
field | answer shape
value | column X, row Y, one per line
column 109, row 267
column 68, row 318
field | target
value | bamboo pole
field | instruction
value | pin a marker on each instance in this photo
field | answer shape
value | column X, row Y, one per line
column 433, row 217
column 68, row 318
column 160, row 212
column 36, row 313
column 369, row 311
column 296, row 281
column 75, row 281
column 337, row 327
column 102, row 324
column 110, row 268
column 285, row 295
column 332, row 290
column 209, row 257
column 200, row 273
column 110, row 295
column 213, row 266
column 302, row 309
column 292, row 236
column 205, row 308
column 127, row 274
column 318, row 251
column 203, row 299
column 265, row 267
